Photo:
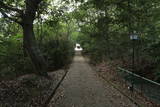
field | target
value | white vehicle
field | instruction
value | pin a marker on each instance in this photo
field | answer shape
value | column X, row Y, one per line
column 78, row 47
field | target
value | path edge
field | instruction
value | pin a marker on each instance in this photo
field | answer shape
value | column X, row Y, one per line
column 54, row 90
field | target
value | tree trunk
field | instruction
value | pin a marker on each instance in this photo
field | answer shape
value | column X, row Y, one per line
column 32, row 49
column 29, row 40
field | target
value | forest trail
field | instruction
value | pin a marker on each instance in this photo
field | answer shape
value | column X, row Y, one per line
column 82, row 87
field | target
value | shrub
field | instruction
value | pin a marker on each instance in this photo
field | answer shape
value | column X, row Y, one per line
column 58, row 51
column 13, row 63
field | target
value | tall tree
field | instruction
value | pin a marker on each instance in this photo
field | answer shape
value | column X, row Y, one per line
column 24, row 14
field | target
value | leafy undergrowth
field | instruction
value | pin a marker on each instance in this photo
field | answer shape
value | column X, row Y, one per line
column 108, row 72
column 28, row 90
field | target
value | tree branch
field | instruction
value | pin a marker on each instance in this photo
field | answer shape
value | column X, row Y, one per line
column 10, row 18
column 5, row 6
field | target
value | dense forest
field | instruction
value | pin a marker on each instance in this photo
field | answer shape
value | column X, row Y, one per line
column 106, row 27
column 37, row 50
column 33, row 39
column 39, row 34
column 36, row 36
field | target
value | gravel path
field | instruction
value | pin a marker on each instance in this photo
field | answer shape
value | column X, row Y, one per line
column 83, row 88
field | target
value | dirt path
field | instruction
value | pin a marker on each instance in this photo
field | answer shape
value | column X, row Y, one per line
column 83, row 88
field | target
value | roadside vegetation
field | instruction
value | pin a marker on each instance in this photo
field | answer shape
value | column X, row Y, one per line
column 105, row 34
column 45, row 46
column 39, row 36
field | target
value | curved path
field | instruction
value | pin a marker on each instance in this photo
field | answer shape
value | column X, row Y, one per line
column 83, row 88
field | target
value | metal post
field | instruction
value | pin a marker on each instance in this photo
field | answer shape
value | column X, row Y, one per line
column 133, row 37
column 133, row 63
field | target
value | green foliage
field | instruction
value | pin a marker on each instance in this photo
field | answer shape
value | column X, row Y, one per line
column 105, row 28
column 53, row 36
column 59, row 52
column 101, row 27
column 13, row 63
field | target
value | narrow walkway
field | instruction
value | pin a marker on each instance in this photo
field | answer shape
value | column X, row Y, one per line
column 83, row 88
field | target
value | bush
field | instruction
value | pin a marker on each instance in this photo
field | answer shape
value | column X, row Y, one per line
column 13, row 63
column 58, row 52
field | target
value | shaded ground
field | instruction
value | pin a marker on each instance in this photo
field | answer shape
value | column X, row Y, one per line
column 82, row 87
column 108, row 71
column 28, row 90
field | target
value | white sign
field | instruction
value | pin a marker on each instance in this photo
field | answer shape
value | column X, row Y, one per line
column 134, row 37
